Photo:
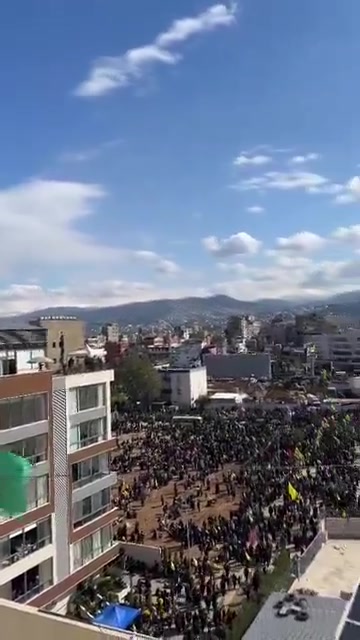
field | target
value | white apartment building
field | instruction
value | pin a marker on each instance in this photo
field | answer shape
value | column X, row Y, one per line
column 183, row 387
column 342, row 349
column 62, row 424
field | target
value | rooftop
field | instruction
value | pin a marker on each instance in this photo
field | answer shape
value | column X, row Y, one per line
column 323, row 620
column 20, row 620
column 334, row 569
column 225, row 395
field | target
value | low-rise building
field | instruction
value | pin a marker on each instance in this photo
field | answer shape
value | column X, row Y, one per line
column 183, row 386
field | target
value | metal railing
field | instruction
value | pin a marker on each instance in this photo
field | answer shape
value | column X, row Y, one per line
column 86, row 442
column 24, row 550
column 91, row 516
column 82, row 482
column 32, row 592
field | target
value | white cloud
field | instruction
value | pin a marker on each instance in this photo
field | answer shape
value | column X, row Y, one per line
column 348, row 235
column 89, row 153
column 110, row 73
column 23, row 298
column 286, row 181
column 350, row 192
column 237, row 244
column 161, row 265
column 39, row 228
column 251, row 161
column 255, row 209
column 302, row 242
column 308, row 157
column 294, row 278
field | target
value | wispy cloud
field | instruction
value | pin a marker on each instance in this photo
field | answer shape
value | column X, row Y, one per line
column 255, row 209
column 117, row 72
column 289, row 181
column 90, row 153
column 308, row 157
column 251, row 161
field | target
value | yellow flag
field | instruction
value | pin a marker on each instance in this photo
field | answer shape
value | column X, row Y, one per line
column 294, row 495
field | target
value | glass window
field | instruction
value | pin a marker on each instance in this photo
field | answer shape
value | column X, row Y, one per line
column 38, row 492
column 93, row 546
column 86, row 471
column 87, row 433
column 29, row 584
column 24, row 542
column 91, row 507
column 88, row 397
column 34, row 449
column 15, row 412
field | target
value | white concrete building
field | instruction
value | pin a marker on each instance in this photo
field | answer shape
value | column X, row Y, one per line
column 183, row 387
column 343, row 349
column 82, row 443
column 224, row 400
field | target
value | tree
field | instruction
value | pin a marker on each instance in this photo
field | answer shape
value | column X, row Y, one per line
column 138, row 379
column 91, row 596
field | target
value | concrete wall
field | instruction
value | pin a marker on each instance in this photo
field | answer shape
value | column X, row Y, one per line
column 312, row 550
column 142, row 553
column 21, row 621
column 343, row 528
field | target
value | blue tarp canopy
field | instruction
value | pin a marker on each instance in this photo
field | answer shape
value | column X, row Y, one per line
column 117, row 616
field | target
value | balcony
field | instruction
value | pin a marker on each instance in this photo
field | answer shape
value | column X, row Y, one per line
column 23, row 551
column 90, row 485
column 32, row 591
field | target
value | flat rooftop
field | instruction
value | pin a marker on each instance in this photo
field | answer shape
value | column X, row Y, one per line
column 336, row 568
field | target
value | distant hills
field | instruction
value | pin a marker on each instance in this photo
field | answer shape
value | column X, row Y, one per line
column 213, row 308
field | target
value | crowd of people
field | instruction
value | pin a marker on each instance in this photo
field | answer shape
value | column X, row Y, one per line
column 247, row 459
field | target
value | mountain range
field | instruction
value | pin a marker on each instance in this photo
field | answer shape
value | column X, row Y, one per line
column 213, row 308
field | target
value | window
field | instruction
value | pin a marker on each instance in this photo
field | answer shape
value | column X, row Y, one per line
column 54, row 360
column 88, row 470
column 93, row 546
column 15, row 412
column 87, row 397
column 86, row 510
column 30, row 583
column 54, row 345
column 38, row 492
column 34, row 449
column 25, row 542
column 87, row 433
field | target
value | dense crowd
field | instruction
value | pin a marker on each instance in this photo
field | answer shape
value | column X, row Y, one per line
column 251, row 457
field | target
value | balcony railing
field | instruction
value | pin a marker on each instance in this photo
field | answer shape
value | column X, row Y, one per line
column 23, row 551
column 86, row 442
column 86, row 366
column 31, row 592
column 82, row 482
column 85, row 519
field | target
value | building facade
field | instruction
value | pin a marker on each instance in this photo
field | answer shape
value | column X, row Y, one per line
column 239, row 365
column 65, row 334
column 183, row 387
column 342, row 349
column 27, row 551
column 62, row 424
column 84, row 520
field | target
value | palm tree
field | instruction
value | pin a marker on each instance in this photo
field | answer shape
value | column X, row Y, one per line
column 93, row 595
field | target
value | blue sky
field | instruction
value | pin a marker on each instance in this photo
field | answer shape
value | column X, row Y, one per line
column 154, row 148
